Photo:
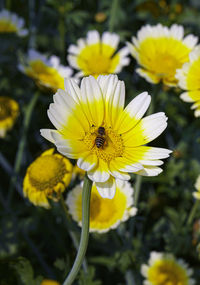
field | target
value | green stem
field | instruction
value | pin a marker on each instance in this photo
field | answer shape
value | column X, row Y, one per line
column 193, row 212
column 137, row 189
column 129, row 278
column 113, row 12
column 72, row 233
column 22, row 142
column 87, row 186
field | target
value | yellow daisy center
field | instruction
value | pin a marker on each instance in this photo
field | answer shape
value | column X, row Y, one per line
column 5, row 108
column 97, row 59
column 46, row 172
column 162, row 56
column 107, row 146
column 103, row 212
column 45, row 74
column 167, row 272
column 7, row 26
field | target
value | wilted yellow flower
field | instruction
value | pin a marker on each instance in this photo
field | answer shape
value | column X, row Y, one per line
column 9, row 110
column 164, row 269
column 47, row 177
column 105, row 214
column 100, row 17
column 160, row 51
column 189, row 79
column 96, row 56
column 49, row 282
column 48, row 73
column 108, row 140
column 11, row 23
column 197, row 186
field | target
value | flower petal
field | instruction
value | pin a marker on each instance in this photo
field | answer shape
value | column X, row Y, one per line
column 100, row 173
column 107, row 189
column 87, row 162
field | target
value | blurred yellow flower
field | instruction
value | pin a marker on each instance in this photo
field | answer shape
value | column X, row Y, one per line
column 100, row 17
column 77, row 171
column 105, row 214
column 49, row 282
column 11, row 23
column 108, row 140
column 9, row 110
column 48, row 73
column 47, row 177
column 189, row 79
column 160, row 50
column 197, row 186
column 96, row 56
column 165, row 269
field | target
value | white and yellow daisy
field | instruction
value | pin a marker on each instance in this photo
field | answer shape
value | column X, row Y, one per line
column 47, row 72
column 46, row 178
column 9, row 110
column 160, row 50
column 105, row 214
column 197, row 186
column 108, row 140
column 165, row 269
column 11, row 23
column 189, row 79
column 97, row 55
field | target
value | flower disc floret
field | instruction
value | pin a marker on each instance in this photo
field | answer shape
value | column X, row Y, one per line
column 47, row 177
column 97, row 55
column 164, row 269
column 189, row 79
column 78, row 113
column 47, row 72
column 160, row 50
column 11, row 23
column 9, row 110
column 105, row 214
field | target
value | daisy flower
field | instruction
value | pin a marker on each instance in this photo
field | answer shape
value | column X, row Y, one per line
column 105, row 214
column 47, row 177
column 97, row 55
column 9, row 110
column 47, row 72
column 164, row 269
column 11, row 23
column 197, row 186
column 108, row 140
column 160, row 50
column 189, row 79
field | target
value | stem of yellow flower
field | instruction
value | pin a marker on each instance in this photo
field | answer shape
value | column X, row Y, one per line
column 193, row 212
column 72, row 233
column 137, row 189
column 113, row 12
column 22, row 142
column 87, row 186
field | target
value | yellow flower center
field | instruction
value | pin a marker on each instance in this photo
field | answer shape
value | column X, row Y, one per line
column 5, row 108
column 45, row 74
column 107, row 146
column 46, row 172
column 167, row 272
column 7, row 26
column 162, row 56
column 103, row 212
column 97, row 59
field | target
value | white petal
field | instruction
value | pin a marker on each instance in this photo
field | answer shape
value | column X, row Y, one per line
column 107, row 189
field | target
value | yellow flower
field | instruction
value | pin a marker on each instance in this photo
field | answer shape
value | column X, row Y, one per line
column 9, row 110
column 95, row 55
column 11, row 23
column 48, row 73
column 105, row 214
column 197, row 186
column 49, row 282
column 160, row 51
column 189, row 79
column 108, row 140
column 165, row 269
column 100, row 17
column 47, row 177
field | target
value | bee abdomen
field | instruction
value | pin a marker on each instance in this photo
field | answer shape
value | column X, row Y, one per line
column 99, row 141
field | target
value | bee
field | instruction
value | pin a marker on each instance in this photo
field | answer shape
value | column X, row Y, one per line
column 100, row 139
